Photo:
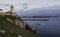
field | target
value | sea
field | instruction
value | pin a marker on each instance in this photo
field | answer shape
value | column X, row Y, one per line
column 47, row 27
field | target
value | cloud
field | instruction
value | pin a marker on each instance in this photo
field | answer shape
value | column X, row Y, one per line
column 18, row 4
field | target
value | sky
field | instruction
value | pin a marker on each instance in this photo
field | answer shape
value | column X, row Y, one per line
column 27, row 4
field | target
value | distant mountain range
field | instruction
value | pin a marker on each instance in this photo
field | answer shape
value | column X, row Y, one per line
column 46, row 11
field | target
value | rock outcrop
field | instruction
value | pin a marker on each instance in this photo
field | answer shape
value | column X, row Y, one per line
column 20, row 22
column 14, row 26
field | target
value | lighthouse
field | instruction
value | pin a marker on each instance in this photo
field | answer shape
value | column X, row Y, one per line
column 12, row 10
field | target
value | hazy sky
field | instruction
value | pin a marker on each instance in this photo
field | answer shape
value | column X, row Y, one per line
column 31, row 4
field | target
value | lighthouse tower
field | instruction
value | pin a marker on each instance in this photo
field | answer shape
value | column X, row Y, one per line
column 12, row 10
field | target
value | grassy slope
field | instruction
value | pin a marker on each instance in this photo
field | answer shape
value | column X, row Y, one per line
column 12, row 30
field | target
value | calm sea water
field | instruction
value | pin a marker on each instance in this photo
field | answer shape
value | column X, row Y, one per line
column 46, row 28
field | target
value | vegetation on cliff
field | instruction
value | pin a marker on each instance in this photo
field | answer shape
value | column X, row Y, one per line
column 10, row 29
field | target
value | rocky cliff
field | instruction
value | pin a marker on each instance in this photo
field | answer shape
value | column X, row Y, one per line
column 13, row 26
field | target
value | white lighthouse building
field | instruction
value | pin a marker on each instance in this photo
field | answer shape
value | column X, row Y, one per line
column 11, row 11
